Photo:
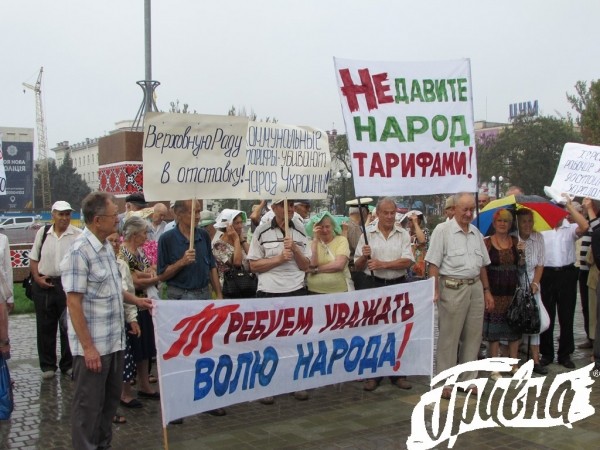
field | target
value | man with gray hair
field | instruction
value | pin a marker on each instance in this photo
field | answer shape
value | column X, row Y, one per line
column 387, row 257
column 457, row 257
column 91, row 280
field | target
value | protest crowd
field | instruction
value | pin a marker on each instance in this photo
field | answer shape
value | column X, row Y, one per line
column 281, row 249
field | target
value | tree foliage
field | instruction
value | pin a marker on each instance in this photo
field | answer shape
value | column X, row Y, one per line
column 527, row 153
column 65, row 184
column 175, row 108
column 586, row 102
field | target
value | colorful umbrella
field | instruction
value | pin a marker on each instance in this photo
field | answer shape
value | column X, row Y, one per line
column 546, row 215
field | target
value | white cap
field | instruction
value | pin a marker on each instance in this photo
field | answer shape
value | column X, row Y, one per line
column 61, row 206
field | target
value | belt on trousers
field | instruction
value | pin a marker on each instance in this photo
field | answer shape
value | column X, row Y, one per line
column 461, row 281
column 558, row 269
column 391, row 280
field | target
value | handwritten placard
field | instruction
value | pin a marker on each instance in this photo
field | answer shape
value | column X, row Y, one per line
column 203, row 156
column 410, row 126
column 578, row 171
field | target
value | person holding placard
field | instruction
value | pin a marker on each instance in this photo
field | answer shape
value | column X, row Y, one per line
column 187, row 271
column 384, row 262
column 280, row 255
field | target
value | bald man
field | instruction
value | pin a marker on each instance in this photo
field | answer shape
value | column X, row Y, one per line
column 158, row 223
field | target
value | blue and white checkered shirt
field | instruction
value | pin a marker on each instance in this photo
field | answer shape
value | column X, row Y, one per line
column 90, row 268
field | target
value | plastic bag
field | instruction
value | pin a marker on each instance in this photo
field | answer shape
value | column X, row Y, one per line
column 6, row 392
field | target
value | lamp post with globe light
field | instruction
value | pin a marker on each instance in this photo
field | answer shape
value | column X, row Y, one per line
column 497, row 181
column 343, row 175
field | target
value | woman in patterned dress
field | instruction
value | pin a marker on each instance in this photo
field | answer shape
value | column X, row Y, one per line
column 506, row 255
column 144, row 276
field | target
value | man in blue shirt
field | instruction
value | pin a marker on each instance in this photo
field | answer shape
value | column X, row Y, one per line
column 186, row 271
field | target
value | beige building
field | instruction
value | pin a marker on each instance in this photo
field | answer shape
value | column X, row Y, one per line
column 85, row 155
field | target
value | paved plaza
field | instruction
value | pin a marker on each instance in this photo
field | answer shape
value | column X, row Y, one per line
column 341, row 416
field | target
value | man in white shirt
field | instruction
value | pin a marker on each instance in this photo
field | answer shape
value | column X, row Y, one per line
column 48, row 295
column 559, row 284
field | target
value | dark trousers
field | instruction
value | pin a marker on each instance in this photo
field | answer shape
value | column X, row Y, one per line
column 368, row 282
column 95, row 401
column 559, row 295
column 597, row 338
column 584, row 294
column 49, row 306
column 299, row 292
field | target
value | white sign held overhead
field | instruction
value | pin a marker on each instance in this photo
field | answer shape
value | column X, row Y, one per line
column 410, row 126
column 200, row 156
column 578, row 171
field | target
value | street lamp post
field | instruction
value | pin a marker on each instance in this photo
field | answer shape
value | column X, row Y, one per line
column 343, row 175
column 497, row 181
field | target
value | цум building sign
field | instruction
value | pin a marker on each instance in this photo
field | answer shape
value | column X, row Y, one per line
column 523, row 109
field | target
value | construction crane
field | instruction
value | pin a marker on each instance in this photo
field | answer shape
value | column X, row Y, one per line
column 42, row 141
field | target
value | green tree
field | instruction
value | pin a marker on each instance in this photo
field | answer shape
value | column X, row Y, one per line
column 527, row 152
column 37, row 191
column 586, row 102
column 67, row 184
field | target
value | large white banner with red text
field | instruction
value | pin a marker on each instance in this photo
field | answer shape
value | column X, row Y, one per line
column 212, row 354
column 410, row 126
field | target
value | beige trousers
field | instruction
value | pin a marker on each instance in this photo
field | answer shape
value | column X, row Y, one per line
column 460, row 319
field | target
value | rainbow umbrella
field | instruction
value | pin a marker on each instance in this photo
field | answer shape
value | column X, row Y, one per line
column 546, row 215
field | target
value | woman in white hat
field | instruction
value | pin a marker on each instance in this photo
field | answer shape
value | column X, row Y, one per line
column 231, row 248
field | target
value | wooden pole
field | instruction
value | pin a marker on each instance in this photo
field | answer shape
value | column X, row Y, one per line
column 165, row 439
column 286, row 217
column 192, row 224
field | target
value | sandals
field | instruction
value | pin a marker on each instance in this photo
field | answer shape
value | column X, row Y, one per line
column 447, row 393
column 118, row 420
column 470, row 389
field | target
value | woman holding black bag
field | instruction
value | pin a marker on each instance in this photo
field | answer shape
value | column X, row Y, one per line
column 506, row 255
column 230, row 251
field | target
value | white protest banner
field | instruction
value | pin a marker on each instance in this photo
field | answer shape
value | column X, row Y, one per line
column 287, row 161
column 211, row 354
column 200, row 156
column 2, row 171
column 410, row 126
column 193, row 156
column 578, row 171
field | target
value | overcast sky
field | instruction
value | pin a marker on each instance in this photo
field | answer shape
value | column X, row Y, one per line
column 276, row 56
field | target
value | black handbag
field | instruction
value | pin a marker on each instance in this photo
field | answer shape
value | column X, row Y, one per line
column 523, row 313
column 239, row 283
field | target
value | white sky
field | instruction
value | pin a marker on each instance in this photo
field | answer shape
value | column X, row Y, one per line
column 276, row 56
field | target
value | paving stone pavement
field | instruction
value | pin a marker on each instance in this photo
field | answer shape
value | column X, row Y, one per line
column 341, row 416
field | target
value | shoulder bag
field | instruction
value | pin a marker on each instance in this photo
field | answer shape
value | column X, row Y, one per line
column 239, row 283
column 28, row 282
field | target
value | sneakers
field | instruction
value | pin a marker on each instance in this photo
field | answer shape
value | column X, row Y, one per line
column 301, row 395
column 48, row 374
